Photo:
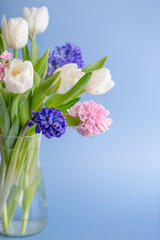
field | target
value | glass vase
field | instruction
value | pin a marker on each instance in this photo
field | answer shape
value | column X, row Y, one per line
column 23, row 204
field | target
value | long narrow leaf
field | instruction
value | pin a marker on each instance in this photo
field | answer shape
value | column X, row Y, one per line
column 4, row 115
column 6, row 96
column 54, row 88
column 36, row 80
column 25, row 112
column 44, row 74
column 50, row 91
column 68, row 105
column 35, row 51
column 40, row 66
column 95, row 66
column 70, row 95
column 23, row 97
column 14, row 107
column 41, row 89
column 73, row 121
column 25, row 53
column 3, row 45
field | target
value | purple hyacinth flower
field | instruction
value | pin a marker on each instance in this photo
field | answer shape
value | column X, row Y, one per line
column 69, row 53
column 49, row 121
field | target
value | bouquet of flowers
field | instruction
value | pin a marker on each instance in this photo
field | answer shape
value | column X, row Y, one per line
column 40, row 95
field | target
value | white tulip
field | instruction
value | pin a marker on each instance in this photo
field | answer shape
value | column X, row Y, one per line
column 70, row 74
column 37, row 18
column 15, row 33
column 100, row 82
column 19, row 76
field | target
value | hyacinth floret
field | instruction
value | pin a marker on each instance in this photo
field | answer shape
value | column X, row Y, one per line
column 68, row 53
column 4, row 59
column 49, row 121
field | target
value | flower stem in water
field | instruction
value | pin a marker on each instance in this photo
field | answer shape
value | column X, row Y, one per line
column 24, row 221
column 5, row 219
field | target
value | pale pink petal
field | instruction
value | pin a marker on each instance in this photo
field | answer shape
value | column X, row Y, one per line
column 92, row 116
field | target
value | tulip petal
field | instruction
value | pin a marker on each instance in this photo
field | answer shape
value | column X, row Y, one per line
column 41, row 20
column 28, row 16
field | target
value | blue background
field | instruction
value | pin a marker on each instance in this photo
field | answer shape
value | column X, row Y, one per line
column 106, row 187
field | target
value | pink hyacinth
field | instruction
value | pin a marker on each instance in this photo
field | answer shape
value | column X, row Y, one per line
column 6, row 56
column 2, row 70
column 93, row 118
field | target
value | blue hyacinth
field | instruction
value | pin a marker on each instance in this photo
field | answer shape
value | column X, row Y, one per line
column 69, row 53
column 49, row 121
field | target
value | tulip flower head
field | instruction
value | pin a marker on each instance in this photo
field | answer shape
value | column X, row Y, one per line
column 15, row 33
column 70, row 74
column 37, row 19
column 100, row 82
column 19, row 76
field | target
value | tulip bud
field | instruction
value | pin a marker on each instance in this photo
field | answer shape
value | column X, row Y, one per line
column 70, row 74
column 19, row 76
column 100, row 82
column 37, row 19
column 15, row 33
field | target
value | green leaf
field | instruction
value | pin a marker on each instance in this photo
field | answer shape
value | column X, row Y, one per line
column 44, row 74
column 14, row 107
column 25, row 112
column 6, row 96
column 73, row 121
column 25, row 53
column 5, row 119
column 31, row 131
column 41, row 89
column 50, row 92
column 23, row 97
column 68, row 105
column 35, row 51
column 40, row 66
column 3, row 45
column 13, row 132
column 54, row 88
column 36, row 80
column 51, row 99
column 95, row 66
column 70, row 95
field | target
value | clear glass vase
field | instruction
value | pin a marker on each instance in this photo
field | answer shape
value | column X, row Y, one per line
column 23, row 204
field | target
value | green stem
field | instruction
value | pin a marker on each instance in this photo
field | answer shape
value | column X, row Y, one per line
column 34, row 35
column 15, row 53
column 5, row 219
column 24, row 221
